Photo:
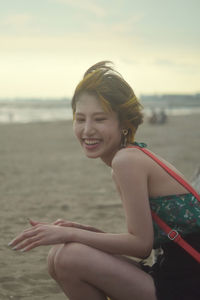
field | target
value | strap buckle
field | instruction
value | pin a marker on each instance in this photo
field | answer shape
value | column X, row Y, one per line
column 173, row 234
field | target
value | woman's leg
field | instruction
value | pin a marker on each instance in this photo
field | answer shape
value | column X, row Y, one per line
column 90, row 291
column 87, row 273
column 50, row 260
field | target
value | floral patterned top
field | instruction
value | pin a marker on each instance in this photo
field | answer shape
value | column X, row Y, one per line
column 180, row 212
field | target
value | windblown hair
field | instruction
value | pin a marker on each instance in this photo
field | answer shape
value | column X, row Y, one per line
column 114, row 93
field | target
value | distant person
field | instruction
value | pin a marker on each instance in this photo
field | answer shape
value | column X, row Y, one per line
column 153, row 117
column 90, row 264
column 162, row 117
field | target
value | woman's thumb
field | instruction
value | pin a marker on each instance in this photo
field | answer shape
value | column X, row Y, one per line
column 33, row 223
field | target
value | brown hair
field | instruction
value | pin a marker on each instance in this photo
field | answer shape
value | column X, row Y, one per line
column 114, row 93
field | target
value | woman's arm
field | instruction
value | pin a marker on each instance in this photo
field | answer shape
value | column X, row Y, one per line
column 66, row 223
column 130, row 173
column 131, row 177
column 42, row 235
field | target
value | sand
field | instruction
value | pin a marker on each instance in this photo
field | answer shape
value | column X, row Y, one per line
column 44, row 175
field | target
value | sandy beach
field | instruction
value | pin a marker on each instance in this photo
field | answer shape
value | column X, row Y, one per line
column 45, row 176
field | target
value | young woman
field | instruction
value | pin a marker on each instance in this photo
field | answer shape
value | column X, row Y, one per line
column 90, row 264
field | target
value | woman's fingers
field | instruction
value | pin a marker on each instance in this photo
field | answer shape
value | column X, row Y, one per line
column 35, row 223
column 39, row 235
column 28, row 244
column 23, row 236
column 32, row 246
column 59, row 221
column 32, row 222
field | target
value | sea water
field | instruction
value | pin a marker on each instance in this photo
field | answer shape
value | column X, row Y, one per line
column 27, row 111
column 39, row 110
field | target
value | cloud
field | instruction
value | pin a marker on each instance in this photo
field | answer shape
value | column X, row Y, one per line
column 17, row 20
column 164, row 62
column 87, row 5
column 178, row 64
column 126, row 27
column 90, row 44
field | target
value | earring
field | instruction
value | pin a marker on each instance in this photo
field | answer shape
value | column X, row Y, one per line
column 125, row 132
column 124, row 141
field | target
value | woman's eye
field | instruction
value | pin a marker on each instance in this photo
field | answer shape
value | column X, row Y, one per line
column 80, row 120
column 100, row 119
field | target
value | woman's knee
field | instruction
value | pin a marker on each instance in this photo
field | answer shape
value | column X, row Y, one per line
column 51, row 259
column 70, row 259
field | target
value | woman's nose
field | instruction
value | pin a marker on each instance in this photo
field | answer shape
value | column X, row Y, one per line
column 89, row 128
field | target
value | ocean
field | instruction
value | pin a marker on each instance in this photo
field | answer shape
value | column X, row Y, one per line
column 34, row 110
column 41, row 110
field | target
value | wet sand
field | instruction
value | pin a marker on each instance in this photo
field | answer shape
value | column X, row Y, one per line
column 44, row 175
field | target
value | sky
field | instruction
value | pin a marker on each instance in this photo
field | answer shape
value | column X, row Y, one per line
column 47, row 45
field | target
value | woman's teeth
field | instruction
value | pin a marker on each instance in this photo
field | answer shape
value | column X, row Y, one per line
column 93, row 142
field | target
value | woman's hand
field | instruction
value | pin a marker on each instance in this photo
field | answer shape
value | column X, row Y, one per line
column 40, row 235
column 64, row 223
column 43, row 233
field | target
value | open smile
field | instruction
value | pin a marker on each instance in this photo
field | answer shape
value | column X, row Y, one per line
column 91, row 143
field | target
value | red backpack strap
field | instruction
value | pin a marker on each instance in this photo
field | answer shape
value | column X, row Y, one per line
column 170, row 171
column 171, row 233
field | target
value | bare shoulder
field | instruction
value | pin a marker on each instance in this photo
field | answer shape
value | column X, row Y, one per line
column 128, row 158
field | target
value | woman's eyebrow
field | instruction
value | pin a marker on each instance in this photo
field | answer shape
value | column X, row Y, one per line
column 94, row 114
column 79, row 114
column 100, row 113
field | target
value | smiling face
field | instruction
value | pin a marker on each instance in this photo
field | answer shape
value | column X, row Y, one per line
column 98, row 132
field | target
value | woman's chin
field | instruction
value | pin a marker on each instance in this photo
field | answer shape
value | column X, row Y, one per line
column 91, row 155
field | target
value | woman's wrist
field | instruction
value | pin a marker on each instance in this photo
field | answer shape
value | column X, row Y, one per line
column 74, row 235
